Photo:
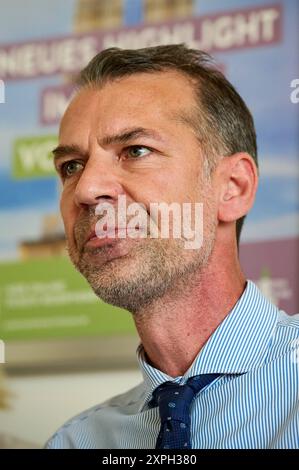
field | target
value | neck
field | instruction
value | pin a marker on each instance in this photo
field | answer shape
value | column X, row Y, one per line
column 175, row 328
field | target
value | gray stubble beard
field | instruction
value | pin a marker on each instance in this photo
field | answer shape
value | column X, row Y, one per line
column 154, row 268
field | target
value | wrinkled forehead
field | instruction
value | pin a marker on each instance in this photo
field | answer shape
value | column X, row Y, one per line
column 149, row 97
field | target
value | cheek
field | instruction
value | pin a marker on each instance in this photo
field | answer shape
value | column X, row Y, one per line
column 68, row 212
column 183, row 187
column 163, row 186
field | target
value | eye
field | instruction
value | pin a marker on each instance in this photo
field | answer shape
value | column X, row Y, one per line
column 137, row 151
column 70, row 168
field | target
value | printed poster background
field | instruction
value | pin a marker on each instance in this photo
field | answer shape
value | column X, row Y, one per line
column 41, row 296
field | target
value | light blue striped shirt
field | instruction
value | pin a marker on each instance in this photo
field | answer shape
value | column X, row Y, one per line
column 257, row 409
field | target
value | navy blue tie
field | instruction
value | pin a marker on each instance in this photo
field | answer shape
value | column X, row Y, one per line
column 174, row 402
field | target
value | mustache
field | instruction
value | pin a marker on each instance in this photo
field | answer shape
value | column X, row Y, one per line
column 85, row 224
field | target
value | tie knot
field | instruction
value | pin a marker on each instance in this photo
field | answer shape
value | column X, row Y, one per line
column 174, row 400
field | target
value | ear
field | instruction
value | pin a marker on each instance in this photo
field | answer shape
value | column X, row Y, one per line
column 237, row 179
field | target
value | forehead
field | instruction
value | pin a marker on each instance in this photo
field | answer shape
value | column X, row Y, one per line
column 143, row 99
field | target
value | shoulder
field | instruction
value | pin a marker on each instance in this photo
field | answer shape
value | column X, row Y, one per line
column 90, row 428
column 287, row 326
column 285, row 337
column 289, row 321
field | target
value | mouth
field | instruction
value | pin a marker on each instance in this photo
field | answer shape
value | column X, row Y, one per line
column 96, row 239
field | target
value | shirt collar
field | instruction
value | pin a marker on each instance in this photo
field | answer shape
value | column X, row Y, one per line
column 238, row 345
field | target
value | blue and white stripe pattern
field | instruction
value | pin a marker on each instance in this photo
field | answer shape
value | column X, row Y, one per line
column 255, row 404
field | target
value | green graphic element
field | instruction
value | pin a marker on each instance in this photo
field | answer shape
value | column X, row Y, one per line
column 47, row 298
column 32, row 157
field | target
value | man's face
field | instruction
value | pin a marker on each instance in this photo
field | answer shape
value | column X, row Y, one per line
column 126, row 138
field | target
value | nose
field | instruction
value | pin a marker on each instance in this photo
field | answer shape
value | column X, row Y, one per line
column 97, row 183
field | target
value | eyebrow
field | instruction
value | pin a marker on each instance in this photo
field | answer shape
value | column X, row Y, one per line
column 121, row 138
column 64, row 150
column 129, row 134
